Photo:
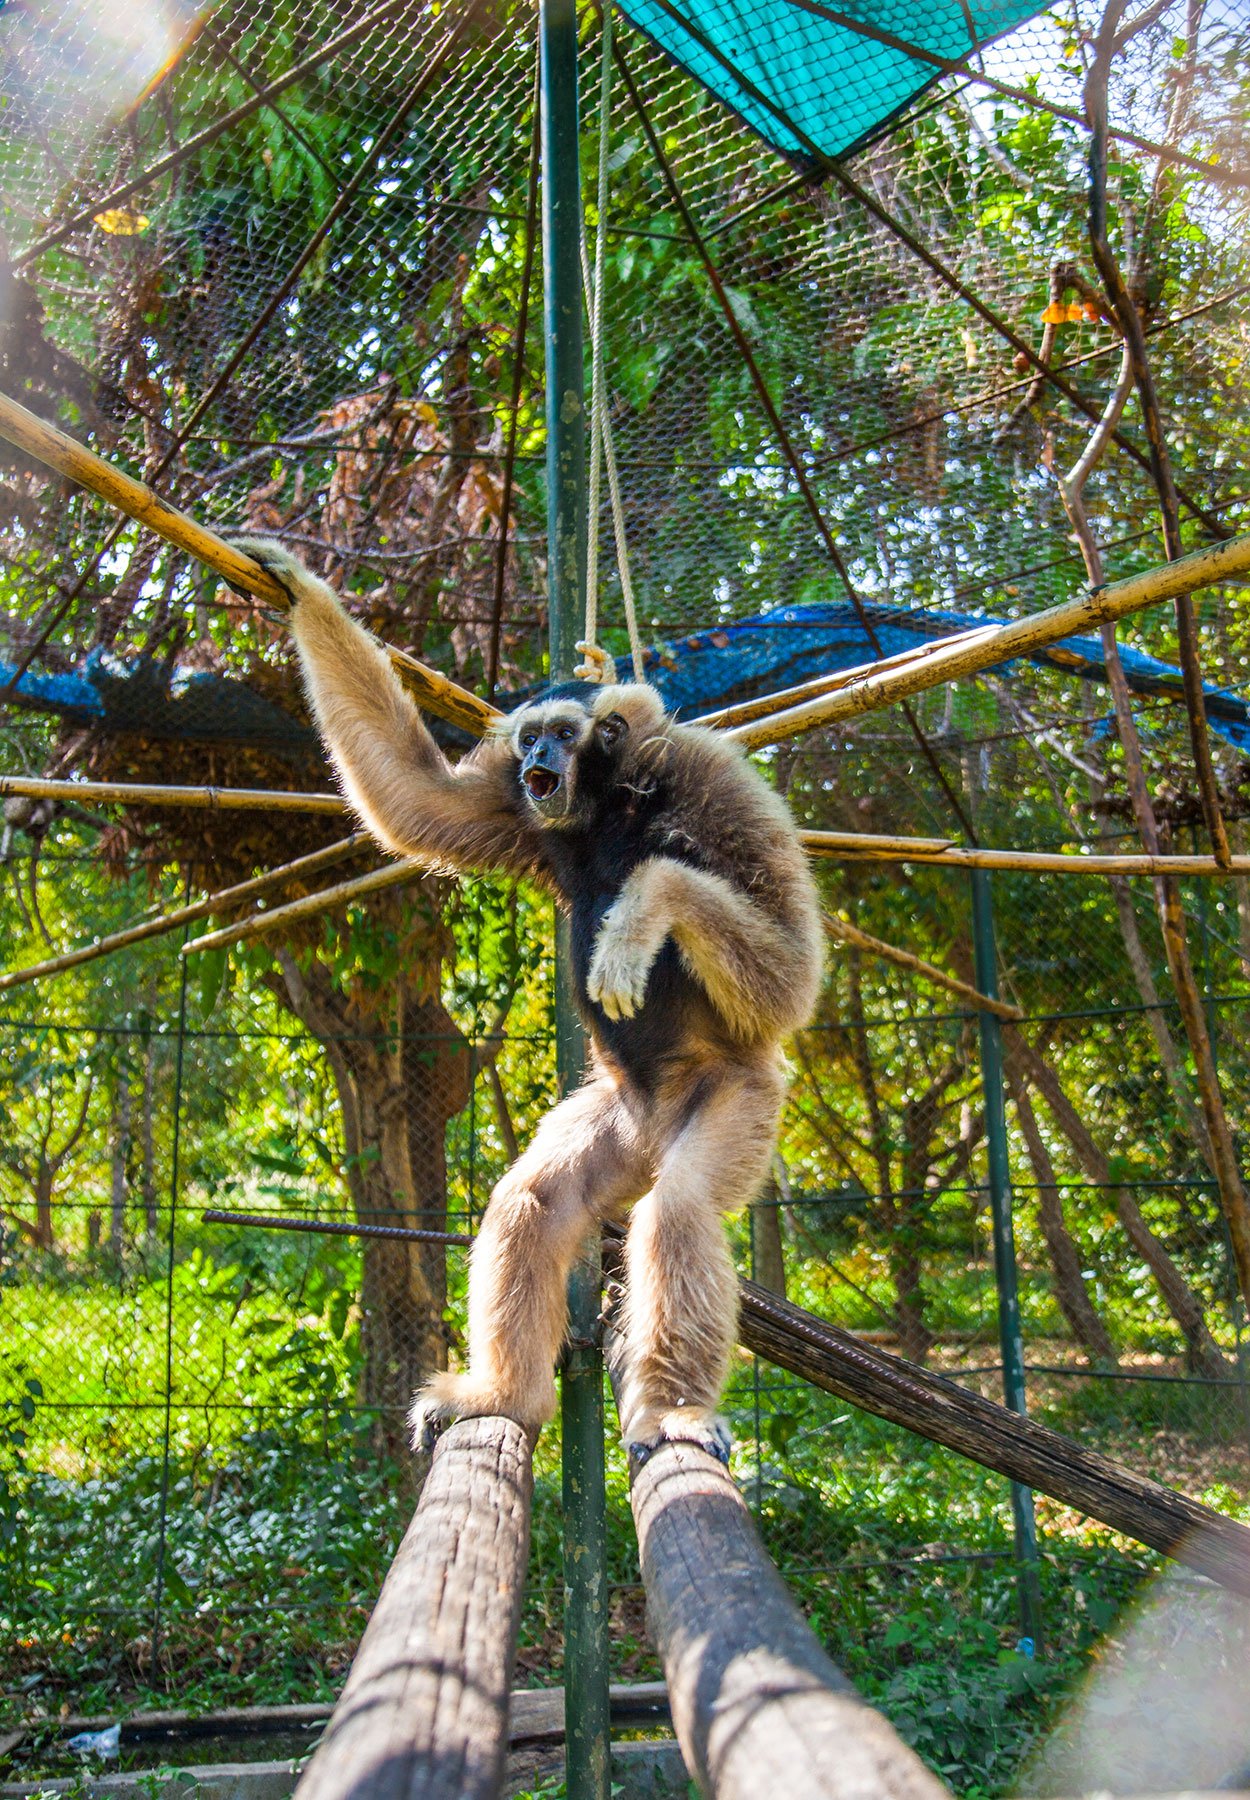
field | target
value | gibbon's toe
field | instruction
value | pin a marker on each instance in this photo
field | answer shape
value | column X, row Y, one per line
column 683, row 1425
column 427, row 1417
column 448, row 1396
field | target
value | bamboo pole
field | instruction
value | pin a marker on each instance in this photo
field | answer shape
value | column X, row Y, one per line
column 945, row 661
column 446, row 699
column 855, row 845
column 153, row 793
column 851, row 934
column 257, row 924
column 874, row 847
column 744, row 711
column 185, row 915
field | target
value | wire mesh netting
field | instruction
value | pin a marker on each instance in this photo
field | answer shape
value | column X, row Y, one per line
column 276, row 261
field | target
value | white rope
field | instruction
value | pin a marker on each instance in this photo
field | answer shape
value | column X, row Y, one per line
column 597, row 664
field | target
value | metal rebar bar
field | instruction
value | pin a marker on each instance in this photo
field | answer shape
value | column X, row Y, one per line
column 214, row 1215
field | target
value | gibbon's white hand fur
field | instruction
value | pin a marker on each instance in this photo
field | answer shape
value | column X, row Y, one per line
column 697, row 947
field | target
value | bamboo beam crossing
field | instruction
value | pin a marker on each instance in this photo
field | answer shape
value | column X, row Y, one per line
column 949, row 660
column 432, row 690
column 846, row 933
column 162, row 923
column 154, row 793
column 310, row 907
column 873, row 847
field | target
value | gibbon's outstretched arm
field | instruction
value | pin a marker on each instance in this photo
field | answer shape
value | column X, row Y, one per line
column 391, row 770
column 761, row 978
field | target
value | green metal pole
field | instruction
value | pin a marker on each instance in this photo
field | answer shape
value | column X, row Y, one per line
column 585, row 1545
column 1010, row 1336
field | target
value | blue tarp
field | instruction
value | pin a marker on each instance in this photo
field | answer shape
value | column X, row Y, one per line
column 192, row 705
column 777, row 649
column 694, row 675
column 782, row 64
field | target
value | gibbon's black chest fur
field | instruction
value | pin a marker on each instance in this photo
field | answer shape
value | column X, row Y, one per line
column 590, row 864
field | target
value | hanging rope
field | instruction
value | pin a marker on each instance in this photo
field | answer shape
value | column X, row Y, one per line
column 597, row 665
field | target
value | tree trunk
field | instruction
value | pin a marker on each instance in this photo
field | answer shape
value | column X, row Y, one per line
column 1075, row 1304
column 1180, row 1299
column 147, row 1141
column 768, row 1260
column 45, row 1175
column 120, row 1155
column 399, row 1081
column 1156, row 1019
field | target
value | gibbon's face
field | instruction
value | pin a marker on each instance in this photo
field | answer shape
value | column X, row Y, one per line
column 562, row 743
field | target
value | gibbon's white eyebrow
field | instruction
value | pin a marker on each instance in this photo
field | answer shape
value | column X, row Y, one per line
column 559, row 715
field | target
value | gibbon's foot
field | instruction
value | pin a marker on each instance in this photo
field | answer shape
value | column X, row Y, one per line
column 683, row 1425
column 446, row 1397
column 619, row 971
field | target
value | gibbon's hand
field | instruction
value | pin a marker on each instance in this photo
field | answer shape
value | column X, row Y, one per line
column 625, row 949
column 287, row 570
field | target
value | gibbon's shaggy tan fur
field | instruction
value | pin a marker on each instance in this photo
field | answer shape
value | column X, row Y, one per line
column 696, row 947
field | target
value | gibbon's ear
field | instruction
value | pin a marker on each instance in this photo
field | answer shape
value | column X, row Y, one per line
column 611, row 730
column 638, row 708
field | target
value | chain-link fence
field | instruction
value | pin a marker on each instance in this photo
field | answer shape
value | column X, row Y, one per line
column 281, row 262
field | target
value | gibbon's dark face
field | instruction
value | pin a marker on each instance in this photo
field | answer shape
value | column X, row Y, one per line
column 564, row 752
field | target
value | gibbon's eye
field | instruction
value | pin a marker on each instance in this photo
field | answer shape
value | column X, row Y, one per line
column 612, row 729
column 528, row 739
column 564, row 733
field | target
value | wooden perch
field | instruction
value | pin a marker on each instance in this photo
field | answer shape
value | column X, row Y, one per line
column 57, row 451
column 946, row 1413
column 425, row 1707
column 950, row 660
column 757, row 1705
column 221, row 901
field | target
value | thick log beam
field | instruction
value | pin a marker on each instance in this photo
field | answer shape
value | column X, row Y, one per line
column 425, row 1708
column 757, row 1705
column 945, row 1413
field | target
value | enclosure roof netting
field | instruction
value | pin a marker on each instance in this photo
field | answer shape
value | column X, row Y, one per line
column 800, row 77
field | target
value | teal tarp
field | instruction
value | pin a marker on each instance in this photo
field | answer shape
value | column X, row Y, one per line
column 835, row 84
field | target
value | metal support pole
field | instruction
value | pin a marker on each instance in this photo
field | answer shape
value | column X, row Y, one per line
column 585, row 1546
column 1010, row 1336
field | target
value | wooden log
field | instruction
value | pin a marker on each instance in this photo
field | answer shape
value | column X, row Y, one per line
column 946, row 1413
column 425, row 1707
column 947, row 661
column 257, row 924
column 58, row 451
column 222, row 901
column 757, row 1705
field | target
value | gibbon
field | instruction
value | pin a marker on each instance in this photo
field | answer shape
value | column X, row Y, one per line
column 696, row 947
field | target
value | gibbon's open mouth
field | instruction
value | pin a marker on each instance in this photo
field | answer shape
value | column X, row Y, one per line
column 541, row 783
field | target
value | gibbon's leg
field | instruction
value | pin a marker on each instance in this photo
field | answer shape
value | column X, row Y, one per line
column 585, row 1161
column 680, row 1310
